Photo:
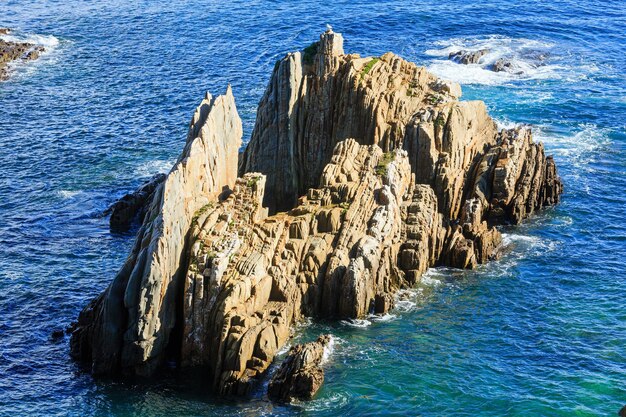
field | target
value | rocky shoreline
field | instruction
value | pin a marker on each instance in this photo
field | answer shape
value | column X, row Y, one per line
column 15, row 51
column 361, row 173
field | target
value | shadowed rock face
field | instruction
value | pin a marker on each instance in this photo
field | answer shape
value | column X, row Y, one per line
column 373, row 172
column 133, row 205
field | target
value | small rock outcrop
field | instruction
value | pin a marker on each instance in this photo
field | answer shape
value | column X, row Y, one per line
column 361, row 174
column 300, row 375
column 468, row 57
column 505, row 65
column 15, row 51
column 133, row 205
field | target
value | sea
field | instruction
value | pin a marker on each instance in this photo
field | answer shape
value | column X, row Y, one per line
column 541, row 332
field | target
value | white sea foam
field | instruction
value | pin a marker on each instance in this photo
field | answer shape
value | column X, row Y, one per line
column 531, row 59
column 405, row 303
column 150, row 168
column 329, row 349
column 382, row 317
column 586, row 139
column 283, row 349
column 26, row 68
column 431, row 278
column 66, row 194
column 357, row 322
column 521, row 243
column 47, row 41
column 406, row 299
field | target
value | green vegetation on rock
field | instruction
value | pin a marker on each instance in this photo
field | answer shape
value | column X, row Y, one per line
column 385, row 160
column 368, row 67
column 308, row 56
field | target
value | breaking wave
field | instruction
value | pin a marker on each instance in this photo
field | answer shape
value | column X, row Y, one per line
column 152, row 167
column 47, row 41
column 356, row 322
column 21, row 68
column 529, row 60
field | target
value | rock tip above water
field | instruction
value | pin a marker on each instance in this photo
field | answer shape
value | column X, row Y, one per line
column 300, row 375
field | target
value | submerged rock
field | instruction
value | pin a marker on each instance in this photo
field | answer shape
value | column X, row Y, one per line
column 504, row 65
column 468, row 57
column 360, row 175
column 300, row 375
column 133, row 205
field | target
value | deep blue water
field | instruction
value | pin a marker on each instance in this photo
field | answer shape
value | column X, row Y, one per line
column 540, row 333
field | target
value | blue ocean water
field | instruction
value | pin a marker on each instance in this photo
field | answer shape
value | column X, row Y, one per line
column 540, row 333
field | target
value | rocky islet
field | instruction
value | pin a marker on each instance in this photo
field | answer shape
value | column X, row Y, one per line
column 361, row 173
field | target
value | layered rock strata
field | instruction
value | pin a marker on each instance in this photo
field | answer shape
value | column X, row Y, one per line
column 360, row 175
column 321, row 96
column 300, row 375
column 252, row 276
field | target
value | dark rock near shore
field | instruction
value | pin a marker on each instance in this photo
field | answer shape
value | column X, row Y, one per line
column 300, row 375
column 468, row 57
column 133, row 205
column 14, row 51
column 504, row 65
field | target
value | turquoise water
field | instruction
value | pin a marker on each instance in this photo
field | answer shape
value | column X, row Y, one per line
column 540, row 333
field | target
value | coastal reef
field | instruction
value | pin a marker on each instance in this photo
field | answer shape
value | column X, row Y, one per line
column 13, row 51
column 361, row 173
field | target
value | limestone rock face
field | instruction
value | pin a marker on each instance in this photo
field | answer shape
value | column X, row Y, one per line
column 251, row 276
column 300, row 375
column 321, row 96
column 127, row 328
column 361, row 173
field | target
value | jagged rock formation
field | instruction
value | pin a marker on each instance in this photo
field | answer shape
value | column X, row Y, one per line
column 126, row 329
column 251, row 276
column 372, row 171
column 13, row 51
column 300, row 375
column 319, row 97
column 133, row 205
column 468, row 57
